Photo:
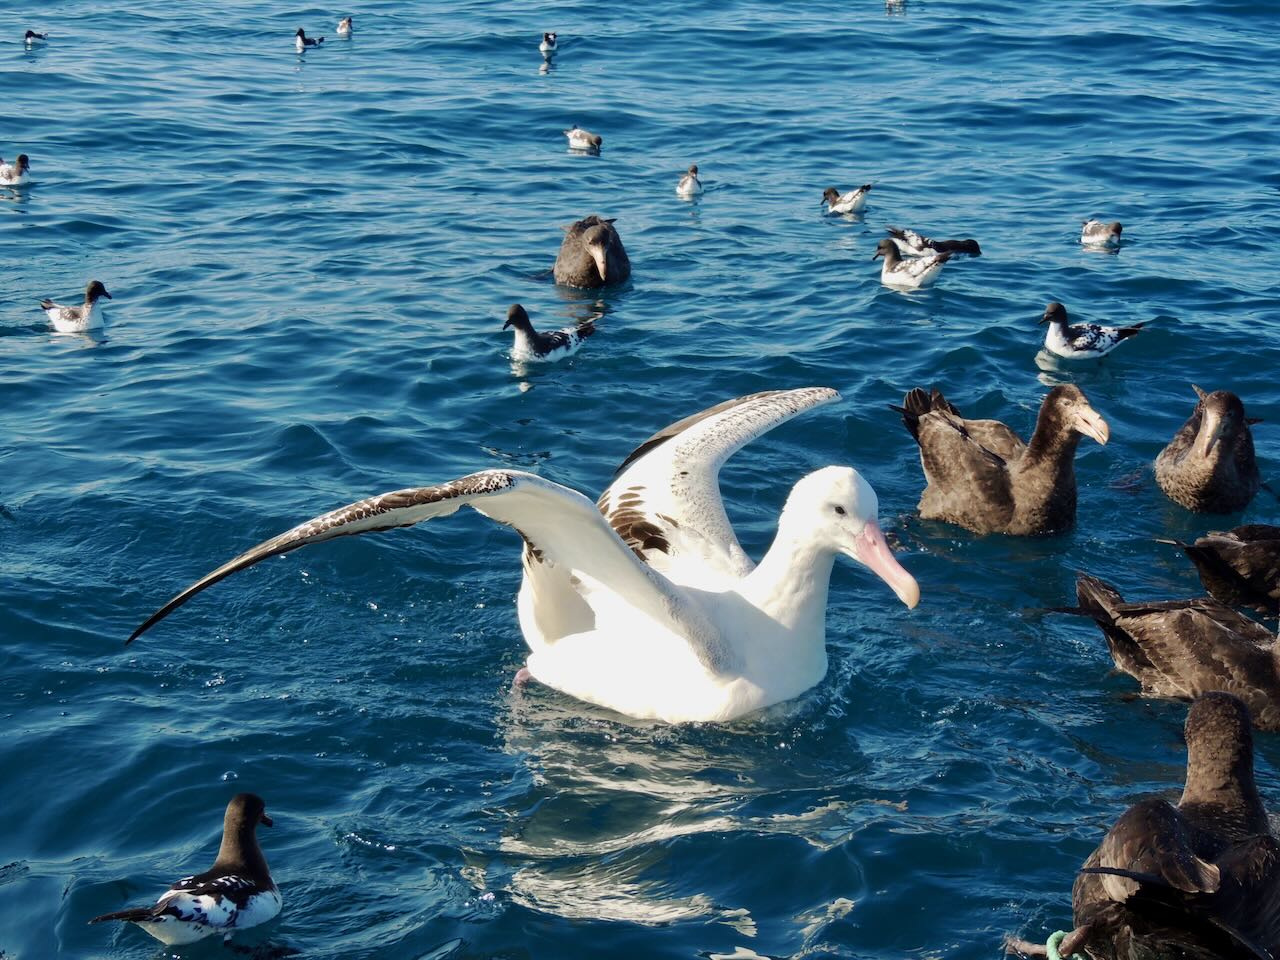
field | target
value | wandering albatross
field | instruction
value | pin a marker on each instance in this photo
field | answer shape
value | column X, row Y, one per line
column 648, row 604
column 1182, row 649
column 981, row 476
column 1192, row 881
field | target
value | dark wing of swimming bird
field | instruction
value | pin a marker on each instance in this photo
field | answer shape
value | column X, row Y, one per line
column 1240, row 566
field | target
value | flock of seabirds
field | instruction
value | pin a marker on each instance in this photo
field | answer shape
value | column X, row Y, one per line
column 644, row 602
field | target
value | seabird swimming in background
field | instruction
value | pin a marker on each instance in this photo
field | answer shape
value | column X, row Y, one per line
column 81, row 318
column 689, row 185
column 591, row 255
column 981, row 476
column 344, row 27
column 1200, row 879
column 1095, row 233
column 580, row 139
column 646, row 603
column 1081, row 341
column 532, row 345
column 910, row 273
column 913, row 244
column 1209, row 465
column 235, row 893
column 17, row 173
column 302, row 41
column 548, row 44
column 33, row 37
column 1240, row 567
column 852, row 202
column 1182, row 648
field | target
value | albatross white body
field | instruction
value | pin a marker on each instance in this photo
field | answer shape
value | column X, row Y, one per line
column 648, row 604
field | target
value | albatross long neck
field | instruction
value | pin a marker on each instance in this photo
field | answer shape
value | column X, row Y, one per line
column 790, row 584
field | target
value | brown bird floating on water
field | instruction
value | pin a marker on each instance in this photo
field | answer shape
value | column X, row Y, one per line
column 1195, row 881
column 592, row 255
column 1240, row 567
column 1186, row 648
column 1209, row 465
column 982, row 476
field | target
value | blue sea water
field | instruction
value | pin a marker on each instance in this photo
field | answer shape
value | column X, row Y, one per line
column 311, row 258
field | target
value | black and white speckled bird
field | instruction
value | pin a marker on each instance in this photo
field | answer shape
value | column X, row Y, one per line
column 910, row 273
column 914, row 244
column 532, row 345
column 1081, row 341
column 79, row 318
column 235, row 893
column 1095, row 233
column 689, row 185
column 855, row 201
column 580, row 139
column 548, row 44
column 17, row 173
column 33, row 37
column 302, row 41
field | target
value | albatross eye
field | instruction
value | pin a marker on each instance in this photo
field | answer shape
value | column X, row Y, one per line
column 839, row 509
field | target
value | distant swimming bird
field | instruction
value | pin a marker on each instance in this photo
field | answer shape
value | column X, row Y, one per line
column 1240, row 567
column 981, row 476
column 913, row 244
column 344, row 27
column 17, row 173
column 81, row 318
column 548, row 44
column 852, row 202
column 910, row 273
column 1181, row 649
column 591, row 255
column 1099, row 234
column 690, row 185
column 33, row 37
column 235, row 893
column 1209, row 465
column 580, row 139
column 1199, row 880
column 532, row 345
column 302, row 41
column 646, row 603
column 1081, row 341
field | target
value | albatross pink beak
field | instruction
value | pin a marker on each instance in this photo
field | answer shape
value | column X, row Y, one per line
column 872, row 549
column 602, row 262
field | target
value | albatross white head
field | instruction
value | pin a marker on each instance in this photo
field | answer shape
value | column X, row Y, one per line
column 839, row 509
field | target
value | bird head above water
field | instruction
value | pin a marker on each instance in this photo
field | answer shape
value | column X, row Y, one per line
column 1069, row 407
column 94, row 291
column 1054, row 313
column 1222, row 419
column 518, row 318
column 839, row 510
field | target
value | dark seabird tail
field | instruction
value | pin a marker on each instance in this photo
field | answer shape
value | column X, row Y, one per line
column 586, row 328
column 916, row 404
column 136, row 915
column 1124, row 333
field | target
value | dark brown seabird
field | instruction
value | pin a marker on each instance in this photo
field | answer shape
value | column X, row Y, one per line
column 1185, row 648
column 1209, row 466
column 1240, row 567
column 592, row 255
column 981, row 475
column 1195, row 881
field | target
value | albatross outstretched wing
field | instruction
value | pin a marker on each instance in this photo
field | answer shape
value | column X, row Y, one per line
column 556, row 523
column 665, row 498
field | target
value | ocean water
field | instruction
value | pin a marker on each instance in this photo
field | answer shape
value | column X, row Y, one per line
column 311, row 258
